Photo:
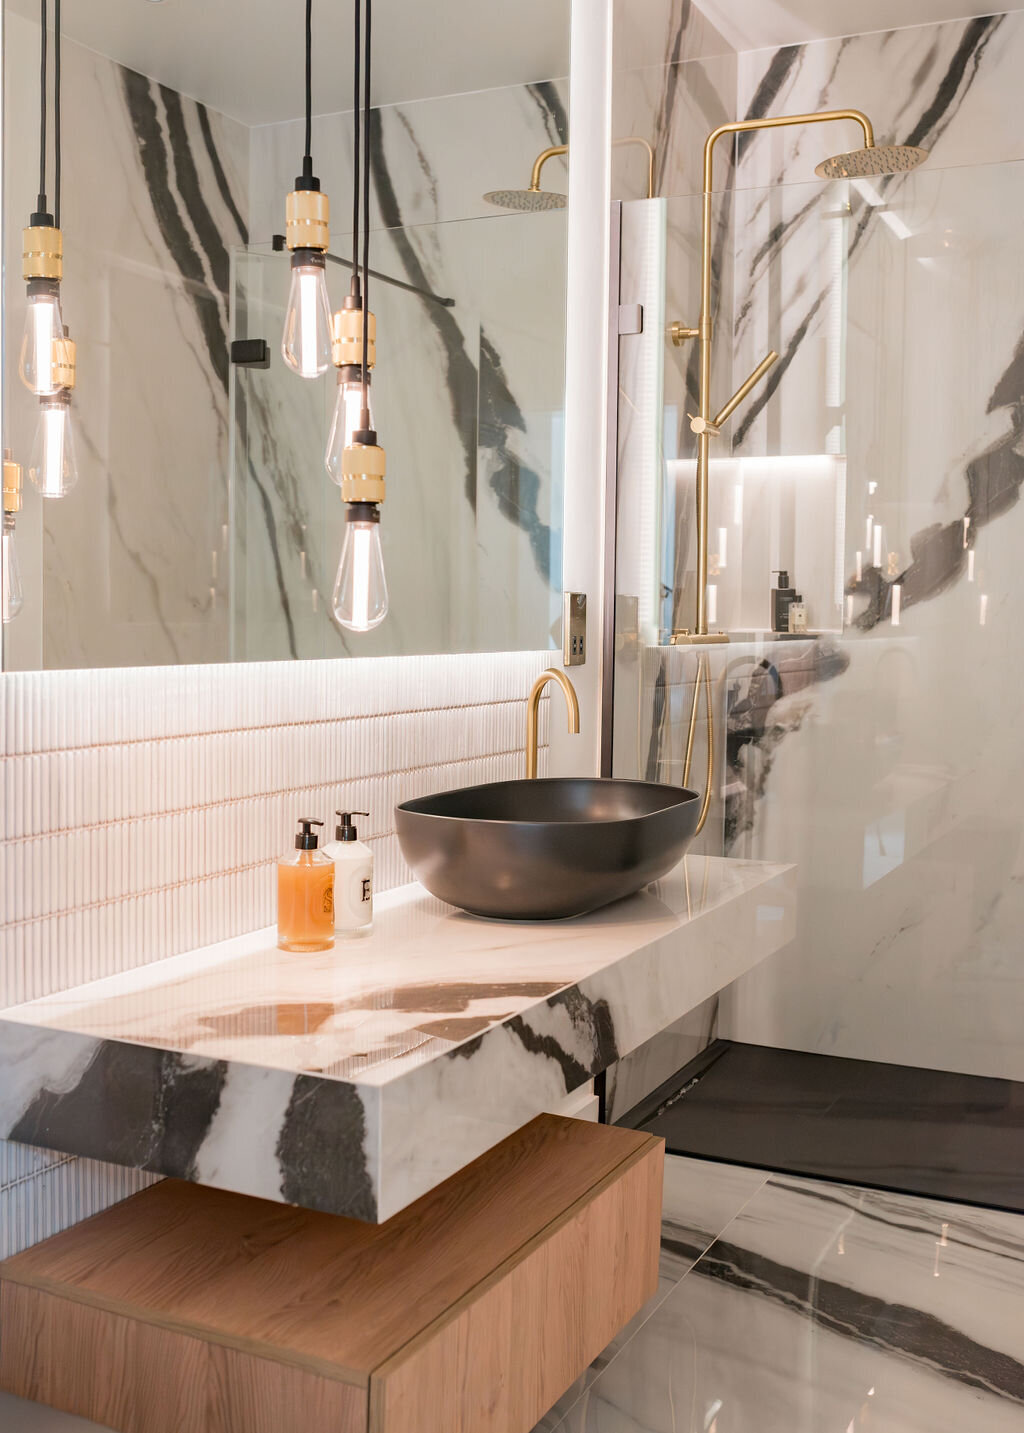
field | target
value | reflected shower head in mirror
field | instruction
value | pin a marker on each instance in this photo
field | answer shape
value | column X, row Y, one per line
column 534, row 199
column 527, row 201
column 872, row 160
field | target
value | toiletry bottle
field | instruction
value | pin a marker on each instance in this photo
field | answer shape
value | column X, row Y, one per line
column 782, row 596
column 798, row 616
column 353, row 877
column 305, row 894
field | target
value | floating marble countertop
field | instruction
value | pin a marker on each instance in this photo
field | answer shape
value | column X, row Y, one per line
column 356, row 1079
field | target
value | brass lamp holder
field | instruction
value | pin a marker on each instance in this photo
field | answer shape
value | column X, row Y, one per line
column 307, row 212
column 64, row 361
column 12, row 485
column 347, row 336
column 363, row 465
column 42, row 251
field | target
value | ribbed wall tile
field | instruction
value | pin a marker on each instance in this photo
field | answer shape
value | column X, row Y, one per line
column 144, row 811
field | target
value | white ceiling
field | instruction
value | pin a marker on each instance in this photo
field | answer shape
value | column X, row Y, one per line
column 246, row 57
column 761, row 24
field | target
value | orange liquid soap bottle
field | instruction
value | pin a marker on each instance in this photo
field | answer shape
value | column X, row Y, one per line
column 305, row 894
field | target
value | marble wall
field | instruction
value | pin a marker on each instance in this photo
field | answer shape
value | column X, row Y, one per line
column 881, row 757
column 468, row 397
column 131, row 566
column 204, row 526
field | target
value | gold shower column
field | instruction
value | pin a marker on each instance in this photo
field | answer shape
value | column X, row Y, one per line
column 703, row 424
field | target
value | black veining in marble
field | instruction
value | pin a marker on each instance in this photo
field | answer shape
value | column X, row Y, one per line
column 937, row 114
column 556, row 117
column 515, row 484
column 148, row 1109
column 593, row 1026
column 322, row 1150
column 908, row 1333
column 938, row 553
column 483, row 408
column 175, row 191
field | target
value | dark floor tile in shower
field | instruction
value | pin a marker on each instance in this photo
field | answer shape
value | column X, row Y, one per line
column 924, row 1132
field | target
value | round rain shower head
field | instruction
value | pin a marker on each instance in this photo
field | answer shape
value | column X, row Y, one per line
column 529, row 201
column 878, row 159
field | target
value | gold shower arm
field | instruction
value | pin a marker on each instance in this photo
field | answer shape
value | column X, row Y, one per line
column 556, row 149
column 741, row 126
column 744, row 388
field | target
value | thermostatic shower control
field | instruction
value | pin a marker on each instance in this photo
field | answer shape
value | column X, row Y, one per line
column 574, row 629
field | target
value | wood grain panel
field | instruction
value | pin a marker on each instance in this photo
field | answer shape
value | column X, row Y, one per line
column 141, row 1378
column 502, row 1356
column 194, row 1310
column 265, row 1278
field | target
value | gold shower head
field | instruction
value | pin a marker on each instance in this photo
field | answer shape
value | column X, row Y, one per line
column 526, row 200
column 873, row 160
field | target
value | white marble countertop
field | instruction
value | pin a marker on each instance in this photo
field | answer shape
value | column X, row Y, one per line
column 355, row 1079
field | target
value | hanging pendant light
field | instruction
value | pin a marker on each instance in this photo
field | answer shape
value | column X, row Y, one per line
column 347, row 325
column 51, row 354
column 10, row 568
column 360, row 600
column 42, row 257
column 306, row 343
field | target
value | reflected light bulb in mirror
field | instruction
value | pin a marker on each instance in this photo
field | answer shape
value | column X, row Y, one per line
column 10, row 572
column 361, row 589
column 347, row 413
column 306, row 344
column 53, row 468
column 43, row 327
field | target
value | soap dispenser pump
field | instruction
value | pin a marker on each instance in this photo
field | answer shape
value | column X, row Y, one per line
column 782, row 597
column 353, row 877
column 305, row 893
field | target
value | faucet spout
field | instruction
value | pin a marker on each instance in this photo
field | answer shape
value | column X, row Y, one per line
column 533, row 711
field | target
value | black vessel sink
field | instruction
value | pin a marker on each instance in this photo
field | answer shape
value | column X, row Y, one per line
column 543, row 850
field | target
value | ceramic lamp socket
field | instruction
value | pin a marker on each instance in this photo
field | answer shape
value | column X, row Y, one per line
column 362, row 468
column 42, row 252
column 12, row 485
column 347, row 338
column 307, row 215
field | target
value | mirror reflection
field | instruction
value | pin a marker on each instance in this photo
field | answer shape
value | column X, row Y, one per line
column 177, row 487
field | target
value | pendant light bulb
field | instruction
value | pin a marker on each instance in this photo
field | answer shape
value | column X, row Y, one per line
column 10, row 577
column 347, row 420
column 43, row 328
column 306, row 345
column 53, row 468
column 360, row 589
column 10, row 568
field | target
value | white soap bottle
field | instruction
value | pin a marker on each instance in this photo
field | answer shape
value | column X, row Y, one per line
column 353, row 877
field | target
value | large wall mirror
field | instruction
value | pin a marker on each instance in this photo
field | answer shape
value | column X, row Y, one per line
column 203, row 526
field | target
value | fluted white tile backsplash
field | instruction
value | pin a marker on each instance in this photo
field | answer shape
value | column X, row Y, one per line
column 143, row 812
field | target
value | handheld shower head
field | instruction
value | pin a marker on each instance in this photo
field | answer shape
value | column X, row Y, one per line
column 527, row 200
column 874, row 159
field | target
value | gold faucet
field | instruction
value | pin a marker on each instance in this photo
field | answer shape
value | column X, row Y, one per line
column 533, row 708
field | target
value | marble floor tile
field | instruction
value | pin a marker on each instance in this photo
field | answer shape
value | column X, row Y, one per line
column 830, row 1309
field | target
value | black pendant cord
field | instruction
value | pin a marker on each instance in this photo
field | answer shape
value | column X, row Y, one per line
column 307, row 160
column 355, row 155
column 365, row 416
column 41, row 198
column 56, row 112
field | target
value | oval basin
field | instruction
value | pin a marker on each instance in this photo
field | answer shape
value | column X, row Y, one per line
column 544, row 850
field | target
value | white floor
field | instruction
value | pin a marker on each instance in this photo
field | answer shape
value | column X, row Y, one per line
column 796, row 1306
